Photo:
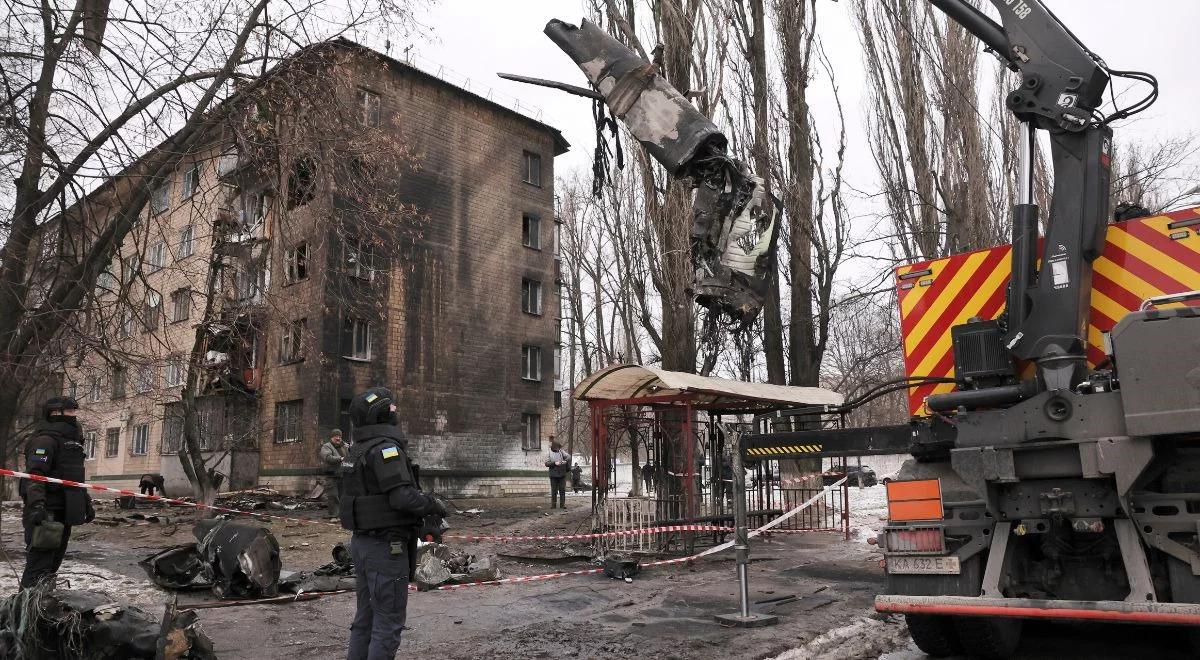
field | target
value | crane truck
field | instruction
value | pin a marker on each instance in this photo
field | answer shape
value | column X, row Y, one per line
column 1054, row 382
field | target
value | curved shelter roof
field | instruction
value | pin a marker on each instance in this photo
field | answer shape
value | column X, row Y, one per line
column 627, row 383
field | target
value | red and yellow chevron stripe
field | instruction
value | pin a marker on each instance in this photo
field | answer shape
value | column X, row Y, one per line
column 1142, row 258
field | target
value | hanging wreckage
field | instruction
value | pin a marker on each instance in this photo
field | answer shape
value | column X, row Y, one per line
column 732, row 236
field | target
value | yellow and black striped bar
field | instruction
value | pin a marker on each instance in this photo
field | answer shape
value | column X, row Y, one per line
column 828, row 442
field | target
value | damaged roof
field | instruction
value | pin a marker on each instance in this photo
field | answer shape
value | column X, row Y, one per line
column 623, row 382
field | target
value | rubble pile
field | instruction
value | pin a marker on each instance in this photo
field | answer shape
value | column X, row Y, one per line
column 41, row 622
column 262, row 498
column 438, row 564
column 234, row 558
column 334, row 576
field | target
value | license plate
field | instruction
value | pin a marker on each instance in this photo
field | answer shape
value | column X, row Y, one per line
column 924, row 565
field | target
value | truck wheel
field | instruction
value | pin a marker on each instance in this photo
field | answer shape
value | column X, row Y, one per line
column 988, row 638
column 935, row 635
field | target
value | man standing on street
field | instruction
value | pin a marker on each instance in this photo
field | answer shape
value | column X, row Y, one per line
column 559, row 463
column 55, row 450
column 333, row 452
column 383, row 505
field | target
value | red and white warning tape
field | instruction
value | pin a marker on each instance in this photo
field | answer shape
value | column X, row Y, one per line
column 158, row 498
column 595, row 535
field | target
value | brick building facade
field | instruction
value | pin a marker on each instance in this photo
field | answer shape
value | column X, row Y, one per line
column 456, row 311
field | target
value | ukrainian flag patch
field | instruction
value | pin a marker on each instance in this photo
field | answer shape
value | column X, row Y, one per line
column 389, row 453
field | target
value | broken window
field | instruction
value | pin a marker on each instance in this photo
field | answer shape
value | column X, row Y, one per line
column 531, row 362
column 112, row 442
column 107, row 280
column 89, row 445
column 291, row 347
column 153, row 310
column 191, row 180
column 141, row 440
column 360, row 258
column 296, row 263
column 186, row 242
column 251, row 282
column 126, row 327
column 160, row 199
column 368, row 108
column 144, row 378
column 531, row 231
column 287, row 420
column 118, row 382
column 228, row 162
column 531, row 168
column 93, row 393
column 302, row 182
column 132, row 263
column 531, row 432
column 181, row 305
column 531, row 296
column 357, row 340
column 157, row 257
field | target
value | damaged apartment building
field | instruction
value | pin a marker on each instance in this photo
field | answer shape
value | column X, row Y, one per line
column 404, row 237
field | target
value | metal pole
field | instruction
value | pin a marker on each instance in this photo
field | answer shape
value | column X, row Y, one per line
column 744, row 618
column 1026, row 154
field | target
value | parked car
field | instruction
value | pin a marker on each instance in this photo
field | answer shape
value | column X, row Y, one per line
column 832, row 475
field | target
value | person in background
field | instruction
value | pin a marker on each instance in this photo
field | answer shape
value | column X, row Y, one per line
column 576, row 478
column 55, row 450
column 382, row 503
column 333, row 452
column 151, row 484
column 648, row 476
column 559, row 463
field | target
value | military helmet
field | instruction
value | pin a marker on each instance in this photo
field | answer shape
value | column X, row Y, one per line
column 373, row 406
column 57, row 404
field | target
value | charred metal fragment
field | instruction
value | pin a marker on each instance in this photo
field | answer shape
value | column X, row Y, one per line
column 732, row 237
column 241, row 558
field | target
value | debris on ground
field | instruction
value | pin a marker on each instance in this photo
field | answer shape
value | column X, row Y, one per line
column 620, row 567
column 134, row 519
column 334, row 576
column 257, row 499
column 438, row 564
column 236, row 559
column 42, row 622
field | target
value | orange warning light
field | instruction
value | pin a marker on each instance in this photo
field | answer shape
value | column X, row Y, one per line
column 920, row 499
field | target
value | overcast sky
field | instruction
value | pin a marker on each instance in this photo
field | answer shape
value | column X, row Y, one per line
column 477, row 38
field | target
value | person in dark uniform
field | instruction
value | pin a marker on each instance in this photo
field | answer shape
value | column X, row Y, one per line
column 55, row 450
column 383, row 505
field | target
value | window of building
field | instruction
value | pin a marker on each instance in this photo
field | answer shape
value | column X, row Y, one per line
column 73, row 389
column 531, row 362
column 296, row 263
column 191, row 180
column 187, row 240
column 302, row 182
column 160, row 199
column 89, row 445
column 357, row 340
column 141, row 440
column 360, row 258
column 531, row 168
column 557, row 362
column 251, row 282
column 106, row 281
column 531, row 296
column 175, row 372
column 126, row 327
column 156, row 258
column 93, row 392
column 118, row 382
column 153, row 315
column 228, row 162
column 112, row 442
column 531, row 226
column 287, row 420
column 181, row 305
column 132, row 264
column 368, row 107
column 144, row 378
column 531, row 432
column 291, row 346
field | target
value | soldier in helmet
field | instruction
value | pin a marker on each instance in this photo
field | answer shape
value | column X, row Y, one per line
column 383, row 505
column 55, row 450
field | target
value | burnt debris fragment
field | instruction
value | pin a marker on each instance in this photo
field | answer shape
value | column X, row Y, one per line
column 732, row 236
column 236, row 559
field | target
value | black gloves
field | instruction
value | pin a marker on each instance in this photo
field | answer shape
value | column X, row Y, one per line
column 36, row 514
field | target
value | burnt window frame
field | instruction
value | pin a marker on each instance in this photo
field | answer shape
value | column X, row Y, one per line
column 531, row 168
column 291, row 341
column 363, row 253
column 295, row 263
column 531, row 431
column 294, row 410
column 350, row 337
column 370, row 107
column 531, row 353
column 531, row 296
column 531, row 230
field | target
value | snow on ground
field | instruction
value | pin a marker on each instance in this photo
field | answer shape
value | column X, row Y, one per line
column 867, row 637
column 868, row 512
